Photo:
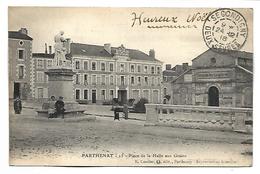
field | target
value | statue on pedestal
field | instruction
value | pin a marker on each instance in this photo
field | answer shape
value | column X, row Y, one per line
column 60, row 50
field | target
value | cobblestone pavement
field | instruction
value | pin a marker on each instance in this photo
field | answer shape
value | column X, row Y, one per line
column 35, row 141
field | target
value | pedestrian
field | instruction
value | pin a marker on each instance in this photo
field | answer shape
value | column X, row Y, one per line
column 51, row 109
column 59, row 106
column 125, row 110
column 116, row 111
column 17, row 105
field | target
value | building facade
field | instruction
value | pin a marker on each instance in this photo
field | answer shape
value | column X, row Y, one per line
column 169, row 74
column 104, row 73
column 216, row 79
column 20, row 64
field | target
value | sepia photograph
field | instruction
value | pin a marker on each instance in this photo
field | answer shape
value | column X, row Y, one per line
column 130, row 86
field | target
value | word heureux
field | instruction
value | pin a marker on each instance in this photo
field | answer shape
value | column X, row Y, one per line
column 97, row 155
column 140, row 19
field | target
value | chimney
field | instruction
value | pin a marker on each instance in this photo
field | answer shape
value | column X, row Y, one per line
column 46, row 51
column 107, row 47
column 152, row 53
column 178, row 69
column 185, row 66
column 50, row 50
column 168, row 66
column 23, row 31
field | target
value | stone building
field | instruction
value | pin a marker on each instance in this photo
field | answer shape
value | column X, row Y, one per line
column 104, row 73
column 19, row 62
column 216, row 79
column 169, row 74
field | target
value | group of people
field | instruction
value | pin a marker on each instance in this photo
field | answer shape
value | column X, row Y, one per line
column 118, row 109
column 57, row 109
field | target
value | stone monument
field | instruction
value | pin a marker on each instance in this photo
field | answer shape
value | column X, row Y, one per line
column 60, row 80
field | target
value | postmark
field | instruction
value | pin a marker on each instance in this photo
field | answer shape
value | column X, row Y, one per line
column 225, row 30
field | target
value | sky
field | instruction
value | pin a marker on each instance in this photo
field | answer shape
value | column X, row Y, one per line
column 114, row 25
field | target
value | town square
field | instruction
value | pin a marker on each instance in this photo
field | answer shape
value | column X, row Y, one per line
column 154, row 93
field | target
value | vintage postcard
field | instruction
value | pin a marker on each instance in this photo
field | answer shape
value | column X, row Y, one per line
column 130, row 86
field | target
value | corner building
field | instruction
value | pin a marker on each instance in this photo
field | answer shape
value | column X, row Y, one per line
column 20, row 64
column 216, row 79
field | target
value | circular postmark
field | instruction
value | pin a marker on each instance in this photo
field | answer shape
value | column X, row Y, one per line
column 225, row 30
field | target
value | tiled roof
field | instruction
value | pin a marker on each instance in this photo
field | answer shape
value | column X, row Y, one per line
column 99, row 51
column 233, row 54
column 169, row 73
column 43, row 55
column 18, row 35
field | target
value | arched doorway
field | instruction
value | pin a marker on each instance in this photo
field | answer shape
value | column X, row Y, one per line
column 213, row 96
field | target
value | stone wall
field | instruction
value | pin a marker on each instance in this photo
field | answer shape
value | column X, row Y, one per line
column 200, row 117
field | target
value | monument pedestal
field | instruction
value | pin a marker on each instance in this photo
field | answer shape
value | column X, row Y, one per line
column 61, row 85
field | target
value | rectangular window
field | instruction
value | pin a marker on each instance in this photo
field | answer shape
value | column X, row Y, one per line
column 40, row 92
column 77, row 64
column 139, row 68
column 77, row 94
column 20, row 54
column 77, row 78
column 40, row 64
column 152, row 70
column 164, row 91
column 103, row 80
column 146, row 80
column 103, row 94
column 111, row 80
column 21, row 72
column 94, row 66
column 122, row 67
column 85, row 79
column 158, row 70
column 85, row 65
column 132, row 68
column 132, row 80
column 145, row 69
column 111, row 94
column 40, row 77
column 85, row 94
column 49, row 63
column 139, row 80
column 122, row 80
column 94, row 79
column 103, row 66
column 111, row 67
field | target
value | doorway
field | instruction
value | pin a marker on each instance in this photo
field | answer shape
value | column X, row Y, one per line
column 122, row 96
column 213, row 96
column 94, row 96
column 17, row 92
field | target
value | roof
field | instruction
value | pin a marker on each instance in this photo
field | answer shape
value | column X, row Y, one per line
column 43, row 55
column 97, row 50
column 232, row 53
column 18, row 35
column 169, row 73
column 188, row 70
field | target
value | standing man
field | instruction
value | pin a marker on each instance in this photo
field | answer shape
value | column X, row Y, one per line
column 59, row 106
column 125, row 110
column 17, row 105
